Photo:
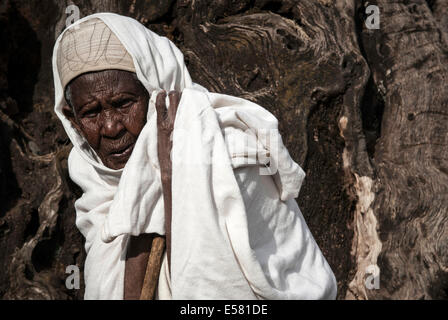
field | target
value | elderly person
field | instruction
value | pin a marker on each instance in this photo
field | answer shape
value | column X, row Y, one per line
column 159, row 157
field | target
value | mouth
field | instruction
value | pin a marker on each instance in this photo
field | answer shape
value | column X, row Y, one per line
column 122, row 153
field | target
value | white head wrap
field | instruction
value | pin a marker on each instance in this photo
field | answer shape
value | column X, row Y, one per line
column 92, row 46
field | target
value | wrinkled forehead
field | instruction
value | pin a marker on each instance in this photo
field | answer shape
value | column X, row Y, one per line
column 105, row 80
column 104, row 84
column 90, row 46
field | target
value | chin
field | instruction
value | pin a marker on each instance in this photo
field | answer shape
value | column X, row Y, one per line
column 115, row 165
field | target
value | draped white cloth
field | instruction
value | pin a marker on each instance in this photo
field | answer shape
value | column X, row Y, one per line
column 237, row 232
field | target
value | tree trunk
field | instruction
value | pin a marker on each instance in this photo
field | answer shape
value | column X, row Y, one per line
column 363, row 111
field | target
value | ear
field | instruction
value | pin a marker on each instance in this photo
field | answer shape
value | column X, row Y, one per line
column 70, row 115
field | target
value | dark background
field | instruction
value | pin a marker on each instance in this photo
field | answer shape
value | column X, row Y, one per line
column 364, row 112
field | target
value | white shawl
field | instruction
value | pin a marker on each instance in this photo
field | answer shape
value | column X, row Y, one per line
column 237, row 232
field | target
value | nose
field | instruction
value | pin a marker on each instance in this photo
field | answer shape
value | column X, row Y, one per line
column 112, row 126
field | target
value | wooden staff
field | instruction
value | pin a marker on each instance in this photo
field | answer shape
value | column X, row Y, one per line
column 153, row 269
column 165, row 126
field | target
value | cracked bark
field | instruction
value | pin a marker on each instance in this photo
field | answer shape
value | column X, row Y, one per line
column 362, row 111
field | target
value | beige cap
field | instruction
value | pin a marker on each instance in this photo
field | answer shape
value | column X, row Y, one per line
column 90, row 46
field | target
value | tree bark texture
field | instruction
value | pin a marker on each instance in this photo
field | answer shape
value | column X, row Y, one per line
column 363, row 111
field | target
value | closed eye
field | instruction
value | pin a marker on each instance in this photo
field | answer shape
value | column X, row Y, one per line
column 123, row 104
column 91, row 112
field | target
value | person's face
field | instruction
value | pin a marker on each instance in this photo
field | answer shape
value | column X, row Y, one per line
column 109, row 110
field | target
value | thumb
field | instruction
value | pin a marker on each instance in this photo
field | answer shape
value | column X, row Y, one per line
column 161, row 106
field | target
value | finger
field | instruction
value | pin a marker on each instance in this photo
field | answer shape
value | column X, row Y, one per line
column 161, row 106
column 174, row 98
